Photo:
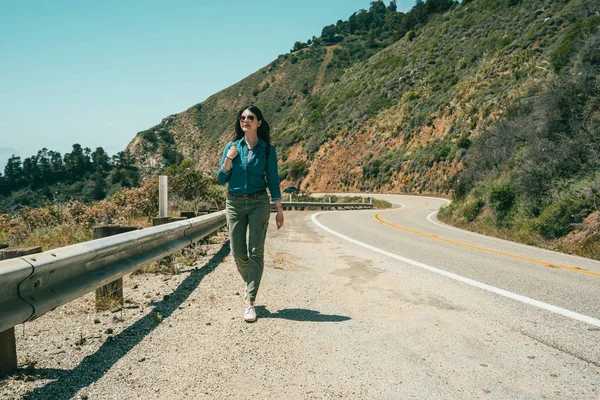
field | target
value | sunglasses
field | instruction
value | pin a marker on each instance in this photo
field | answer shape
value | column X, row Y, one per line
column 247, row 117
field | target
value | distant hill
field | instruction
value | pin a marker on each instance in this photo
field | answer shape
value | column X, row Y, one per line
column 492, row 101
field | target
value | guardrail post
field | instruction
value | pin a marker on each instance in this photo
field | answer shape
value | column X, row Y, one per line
column 165, row 220
column 163, row 196
column 8, row 352
column 370, row 200
column 113, row 292
column 8, row 343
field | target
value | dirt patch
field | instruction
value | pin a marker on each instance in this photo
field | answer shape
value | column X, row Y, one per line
column 283, row 261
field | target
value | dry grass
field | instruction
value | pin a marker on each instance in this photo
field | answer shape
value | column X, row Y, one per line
column 584, row 241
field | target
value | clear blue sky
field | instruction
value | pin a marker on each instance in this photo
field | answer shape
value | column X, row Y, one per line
column 98, row 72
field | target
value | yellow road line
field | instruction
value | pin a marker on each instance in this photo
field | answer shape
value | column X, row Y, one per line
column 547, row 264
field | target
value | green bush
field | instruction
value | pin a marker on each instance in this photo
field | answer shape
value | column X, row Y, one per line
column 471, row 209
column 379, row 104
column 569, row 43
column 502, row 200
column 463, row 142
column 150, row 136
column 559, row 218
column 293, row 170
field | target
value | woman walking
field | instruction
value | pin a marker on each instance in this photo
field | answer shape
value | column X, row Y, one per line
column 249, row 165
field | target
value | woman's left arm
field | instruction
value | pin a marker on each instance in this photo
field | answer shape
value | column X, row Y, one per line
column 273, row 184
column 273, row 176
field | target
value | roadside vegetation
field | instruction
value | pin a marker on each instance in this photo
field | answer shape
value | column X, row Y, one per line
column 59, row 224
column 534, row 176
column 81, row 175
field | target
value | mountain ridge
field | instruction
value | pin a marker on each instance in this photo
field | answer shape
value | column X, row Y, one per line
column 493, row 102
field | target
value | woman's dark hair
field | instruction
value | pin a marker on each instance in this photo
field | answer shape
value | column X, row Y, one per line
column 264, row 131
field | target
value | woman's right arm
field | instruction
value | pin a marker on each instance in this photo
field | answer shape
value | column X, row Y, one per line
column 224, row 172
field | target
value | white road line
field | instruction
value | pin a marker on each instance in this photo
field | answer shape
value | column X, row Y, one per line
column 505, row 293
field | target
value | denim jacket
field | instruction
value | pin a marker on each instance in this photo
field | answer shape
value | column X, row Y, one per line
column 251, row 176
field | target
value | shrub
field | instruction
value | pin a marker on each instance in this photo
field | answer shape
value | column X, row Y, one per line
column 502, row 200
column 189, row 185
column 558, row 218
column 294, row 170
column 49, row 215
column 471, row 209
column 463, row 142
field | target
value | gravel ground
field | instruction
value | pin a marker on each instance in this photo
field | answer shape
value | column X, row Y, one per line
column 334, row 322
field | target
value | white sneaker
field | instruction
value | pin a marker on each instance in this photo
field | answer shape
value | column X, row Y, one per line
column 250, row 314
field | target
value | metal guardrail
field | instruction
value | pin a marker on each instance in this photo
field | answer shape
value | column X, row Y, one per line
column 32, row 285
column 310, row 205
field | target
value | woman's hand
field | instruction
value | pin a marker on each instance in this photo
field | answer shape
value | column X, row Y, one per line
column 233, row 152
column 279, row 217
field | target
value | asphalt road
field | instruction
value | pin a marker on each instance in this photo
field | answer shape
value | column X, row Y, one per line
column 371, row 304
column 551, row 296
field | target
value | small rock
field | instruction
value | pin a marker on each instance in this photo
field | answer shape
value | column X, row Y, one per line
column 237, row 293
column 142, row 359
column 531, row 357
column 208, row 324
column 97, row 321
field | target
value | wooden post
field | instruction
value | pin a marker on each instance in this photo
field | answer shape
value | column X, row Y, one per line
column 159, row 221
column 112, row 293
column 8, row 352
column 165, row 220
column 14, row 252
column 8, row 343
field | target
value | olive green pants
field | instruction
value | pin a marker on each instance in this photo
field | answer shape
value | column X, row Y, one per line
column 247, row 220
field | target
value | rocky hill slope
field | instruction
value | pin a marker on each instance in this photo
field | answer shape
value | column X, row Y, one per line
column 452, row 99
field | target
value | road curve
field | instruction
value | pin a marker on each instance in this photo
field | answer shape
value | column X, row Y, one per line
column 372, row 304
column 561, row 288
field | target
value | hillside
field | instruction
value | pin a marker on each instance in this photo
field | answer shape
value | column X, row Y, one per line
column 407, row 103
